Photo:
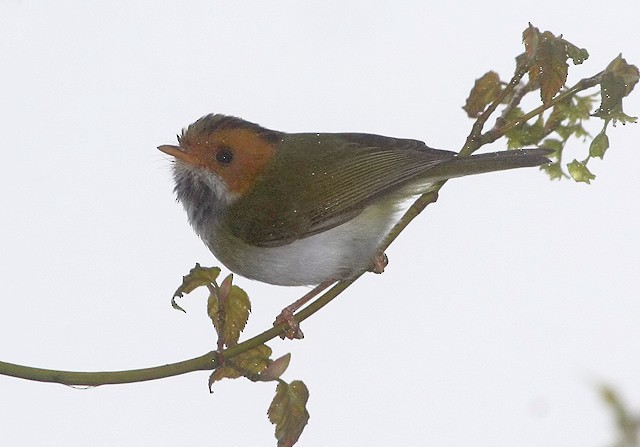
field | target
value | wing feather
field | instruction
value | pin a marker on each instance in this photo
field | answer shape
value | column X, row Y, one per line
column 336, row 177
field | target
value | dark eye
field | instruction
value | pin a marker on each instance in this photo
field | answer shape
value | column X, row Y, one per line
column 224, row 156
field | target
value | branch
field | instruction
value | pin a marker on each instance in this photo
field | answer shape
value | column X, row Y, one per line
column 208, row 361
column 203, row 362
column 474, row 140
column 500, row 130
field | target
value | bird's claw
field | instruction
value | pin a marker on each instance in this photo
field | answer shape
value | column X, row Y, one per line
column 378, row 263
column 292, row 329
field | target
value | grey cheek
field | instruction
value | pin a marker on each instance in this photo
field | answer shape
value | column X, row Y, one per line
column 200, row 196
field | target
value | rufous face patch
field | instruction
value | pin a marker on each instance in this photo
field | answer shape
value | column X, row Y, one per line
column 238, row 156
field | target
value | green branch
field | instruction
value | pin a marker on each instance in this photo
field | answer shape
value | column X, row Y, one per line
column 204, row 362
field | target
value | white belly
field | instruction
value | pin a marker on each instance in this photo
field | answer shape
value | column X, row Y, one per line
column 335, row 254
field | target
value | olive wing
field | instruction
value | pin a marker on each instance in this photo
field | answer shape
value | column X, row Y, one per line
column 319, row 181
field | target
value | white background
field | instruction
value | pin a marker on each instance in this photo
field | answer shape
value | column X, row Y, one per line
column 503, row 306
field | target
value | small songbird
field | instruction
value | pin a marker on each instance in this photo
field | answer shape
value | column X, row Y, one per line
column 307, row 208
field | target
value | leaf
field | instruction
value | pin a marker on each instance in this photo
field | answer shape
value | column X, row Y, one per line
column 525, row 134
column 197, row 277
column 486, row 89
column 599, row 145
column 557, row 116
column 571, row 130
column 577, row 55
column 579, row 172
column 248, row 364
column 618, row 80
column 627, row 73
column 582, row 108
column 553, row 170
column 553, row 144
column 627, row 424
column 550, row 66
column 288, row 412
column 275, row 369
column 230, row 320
column 547, row 60
column 531, row 38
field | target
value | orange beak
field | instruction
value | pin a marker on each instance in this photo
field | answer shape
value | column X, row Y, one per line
column 178, row 152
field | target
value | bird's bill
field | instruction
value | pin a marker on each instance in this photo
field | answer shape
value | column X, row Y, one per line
column 177, row 152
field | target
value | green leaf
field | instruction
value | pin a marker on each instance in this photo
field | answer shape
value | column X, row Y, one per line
column 526, row 134
column 197, row 277
column 599, row 145
column 288, row 412
column 230, row 319
column 628, row 73
column 553, row 170
column 558, row 114
column 485, row 90
column 248, row 364
column 577, row 55
column 580, row 132
column 571, row 130
column 579, row 172
column 618, row 80
column 583, row 106
column 553, row 144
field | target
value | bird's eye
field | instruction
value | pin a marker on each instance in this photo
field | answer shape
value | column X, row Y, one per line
column 224, row 156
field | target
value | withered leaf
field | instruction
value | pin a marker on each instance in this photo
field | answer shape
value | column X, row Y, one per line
column 486, row 89
column 550, row 66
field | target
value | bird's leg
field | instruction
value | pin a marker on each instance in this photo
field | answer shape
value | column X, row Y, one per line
column 292, row 330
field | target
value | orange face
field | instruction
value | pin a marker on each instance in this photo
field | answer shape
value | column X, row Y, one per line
column 237, row 155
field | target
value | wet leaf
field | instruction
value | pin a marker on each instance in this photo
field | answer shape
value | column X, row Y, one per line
column 581, row 110
column 525, row 134
column 553, row 144
column 558, row 114
column 197, row 277
column 599, row 145
column 618, row 80
column 579, row 172
column 550, row 66
column 248, row 364
column 288, row 412
column 547, row 58
column 577, row 55
column 553, row 170
column 627, row 73
column 531, row 38
column 275, row 369
column 230, row 319
column 485, row 90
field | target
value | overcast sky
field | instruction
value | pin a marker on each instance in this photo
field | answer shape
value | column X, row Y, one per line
column 502, row 308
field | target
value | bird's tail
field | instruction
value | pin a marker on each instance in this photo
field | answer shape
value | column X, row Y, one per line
column 494, row 161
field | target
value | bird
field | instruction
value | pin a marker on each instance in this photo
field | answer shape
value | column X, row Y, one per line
column 300, row 209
